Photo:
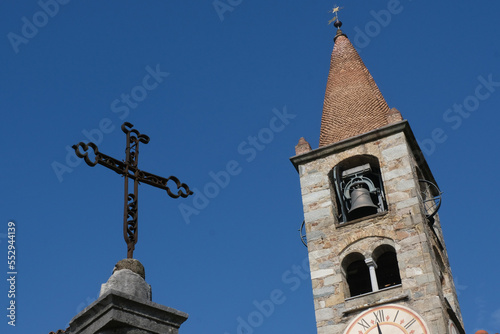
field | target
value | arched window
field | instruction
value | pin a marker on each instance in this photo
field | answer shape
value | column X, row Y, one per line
column 364, row 275
column 357, row 274
column 358, row 185
column 387, row 266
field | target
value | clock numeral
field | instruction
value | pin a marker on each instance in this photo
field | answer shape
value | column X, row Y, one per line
column 363, row 323
column 408, row 325
column 379, row 315
column 396, row 316
column 388, row 319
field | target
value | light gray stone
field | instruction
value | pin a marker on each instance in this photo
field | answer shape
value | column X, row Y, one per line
column 117, row 312
column 331, row 329
column 397, row 173
column 122, row 330
column 315, row 197
column 406, row 203
column 317, row 214
column 331, row 280
column 321, row 273
column 128, row 282
column 396, row 152
column 327, row 290
column 312, row 179
column 314, row 235
column 405, row 185
column 413, row 272
column 397, row 196
column 326, row 265
column 324, row 314
column 318, row 254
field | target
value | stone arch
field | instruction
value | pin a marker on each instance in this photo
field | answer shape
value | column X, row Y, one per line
column 376, row 254
column 366, row 244
column 387, row 270
column 356, row 273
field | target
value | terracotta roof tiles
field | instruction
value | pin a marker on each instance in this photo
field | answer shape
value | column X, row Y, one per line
column 353, row 103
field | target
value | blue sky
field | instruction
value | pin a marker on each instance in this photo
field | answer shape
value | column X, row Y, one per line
column 221, row 78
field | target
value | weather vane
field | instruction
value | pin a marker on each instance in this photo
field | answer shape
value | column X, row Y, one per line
column 335, row 12
column 128, row 168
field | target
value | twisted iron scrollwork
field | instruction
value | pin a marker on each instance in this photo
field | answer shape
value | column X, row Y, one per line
column 128, row 168
column 133, row 139
column 127, row 128
column 130, row 228
column 100, row 158
column 161, row 182
column 85, row 155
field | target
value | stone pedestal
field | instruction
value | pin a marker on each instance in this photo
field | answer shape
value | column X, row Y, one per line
column 125, row 307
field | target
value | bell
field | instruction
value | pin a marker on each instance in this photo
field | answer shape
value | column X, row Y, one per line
column 362, row 204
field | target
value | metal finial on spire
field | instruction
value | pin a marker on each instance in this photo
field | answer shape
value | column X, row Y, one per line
column 337, row 24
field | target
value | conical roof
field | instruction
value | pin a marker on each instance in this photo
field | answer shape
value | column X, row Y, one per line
column 353, row 103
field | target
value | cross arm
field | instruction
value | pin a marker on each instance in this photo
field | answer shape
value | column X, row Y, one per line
column 161, row 182
column 100, row 158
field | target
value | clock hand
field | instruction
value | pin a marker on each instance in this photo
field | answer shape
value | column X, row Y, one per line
column 379, row 331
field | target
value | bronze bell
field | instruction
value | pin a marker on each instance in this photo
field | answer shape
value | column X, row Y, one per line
column 361, row 203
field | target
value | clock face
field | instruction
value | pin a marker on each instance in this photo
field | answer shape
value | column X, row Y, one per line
column 388, row 319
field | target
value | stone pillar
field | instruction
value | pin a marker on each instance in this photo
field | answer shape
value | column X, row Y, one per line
column 373, row 275
column 125, row 307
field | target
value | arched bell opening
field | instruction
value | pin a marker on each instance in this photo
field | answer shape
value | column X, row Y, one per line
column 357, row 274
column 387, row 266
column 359, row 188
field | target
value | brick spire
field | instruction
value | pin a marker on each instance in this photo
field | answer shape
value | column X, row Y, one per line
column 353, row 103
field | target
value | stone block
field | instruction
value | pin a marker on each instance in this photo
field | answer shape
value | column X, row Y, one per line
column 128, row 282
column 316, row 179
column 324, row 291
column 318, row 254
column 302, row 170
column 314, row 235
column 117, row 312
column 399, row 196
column 413, row 272
column 404, row 170
column 335, row 299
column 334, row 279
column 321, row 273
column 331, row 329
column 317, row 214
column 326, row 265
column 315, row 197
column 395, row 152
column 422, row 280
column 324, row 314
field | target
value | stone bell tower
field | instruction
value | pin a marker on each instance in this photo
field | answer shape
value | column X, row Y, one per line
column 377, row 255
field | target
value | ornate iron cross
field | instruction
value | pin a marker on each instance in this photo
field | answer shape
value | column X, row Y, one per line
column 128, row 169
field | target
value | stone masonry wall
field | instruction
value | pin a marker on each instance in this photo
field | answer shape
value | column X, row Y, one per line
column 403, row 227
column 440, row 254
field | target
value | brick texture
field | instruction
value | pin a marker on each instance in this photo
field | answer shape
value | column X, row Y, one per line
column 353, row 103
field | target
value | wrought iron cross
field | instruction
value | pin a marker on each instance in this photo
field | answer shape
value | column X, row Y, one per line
column 128, row 168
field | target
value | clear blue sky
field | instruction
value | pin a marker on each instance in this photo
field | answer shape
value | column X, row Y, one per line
column 227, row 72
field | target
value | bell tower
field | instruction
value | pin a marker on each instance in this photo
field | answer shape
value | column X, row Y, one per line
column 377, row 255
